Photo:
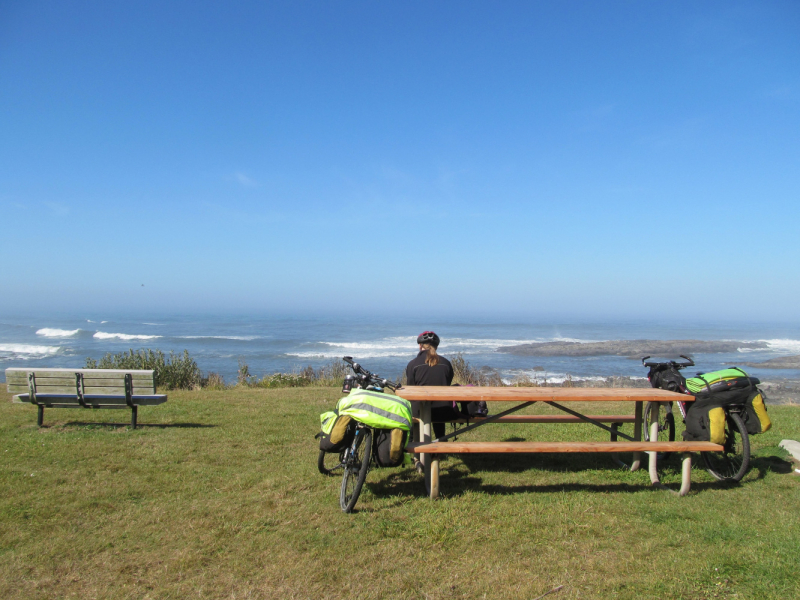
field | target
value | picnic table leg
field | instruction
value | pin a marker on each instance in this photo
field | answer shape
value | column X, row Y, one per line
column 637, row 436
column 429, row 461
column 434, row 477
column 686, row 473
column 653, row 456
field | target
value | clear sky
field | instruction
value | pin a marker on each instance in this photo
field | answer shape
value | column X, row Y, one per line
column 584, row 159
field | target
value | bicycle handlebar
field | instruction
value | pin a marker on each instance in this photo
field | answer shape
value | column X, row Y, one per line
column 671, row 363
column 370, row 377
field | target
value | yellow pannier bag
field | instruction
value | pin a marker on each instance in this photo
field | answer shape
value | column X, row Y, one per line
column 716, row 425
column 758, row 420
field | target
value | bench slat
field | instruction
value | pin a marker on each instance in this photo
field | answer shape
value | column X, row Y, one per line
column 86, row 372
column 70, row 389
column 67, row 400
column 87, row 382
column 559, row 447
column 102, row 374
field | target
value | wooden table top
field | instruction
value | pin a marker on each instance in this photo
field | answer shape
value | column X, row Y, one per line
column 539, row 394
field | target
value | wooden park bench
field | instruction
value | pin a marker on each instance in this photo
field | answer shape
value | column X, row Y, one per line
column 430, row 449
column 84, row 388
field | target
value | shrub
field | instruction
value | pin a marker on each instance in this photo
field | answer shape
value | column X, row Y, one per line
column 465, row 374
column 330, row 375
column 172, row 373
column 214, row 381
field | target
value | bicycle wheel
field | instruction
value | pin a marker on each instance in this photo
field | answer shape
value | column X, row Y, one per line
column 666, row 426
column 732, row 463
column 328, row 462
column 355, row 471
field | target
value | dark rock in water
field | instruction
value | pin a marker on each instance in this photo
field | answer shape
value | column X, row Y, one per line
column 782, row 362
column 538, row 368
column 629, row 348
column 781, row 391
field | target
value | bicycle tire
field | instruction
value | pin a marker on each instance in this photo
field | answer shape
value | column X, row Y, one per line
column 328, row 462
column 732, row 463
column 355, row 471
column 666, row 427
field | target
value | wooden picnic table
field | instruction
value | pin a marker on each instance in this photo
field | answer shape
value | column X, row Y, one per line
column 429, row 449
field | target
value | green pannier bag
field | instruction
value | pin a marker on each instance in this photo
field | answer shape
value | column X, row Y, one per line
column 720, row 381
column 376, row 409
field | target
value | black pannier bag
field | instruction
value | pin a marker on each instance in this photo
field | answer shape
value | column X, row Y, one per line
column 705, row 417
column 337, row 432
column 389, row 445
column 714, row 392
column 668, row 378
column 475, row 408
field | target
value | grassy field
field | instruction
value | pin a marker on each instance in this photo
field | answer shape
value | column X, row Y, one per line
column 217, row 496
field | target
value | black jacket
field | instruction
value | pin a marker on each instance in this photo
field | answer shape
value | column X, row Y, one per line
column 418, row 373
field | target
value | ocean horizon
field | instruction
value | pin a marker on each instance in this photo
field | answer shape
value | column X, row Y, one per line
column 281, row 343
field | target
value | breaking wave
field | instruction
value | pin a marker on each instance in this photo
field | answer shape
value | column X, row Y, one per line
column 407, row 346
column 784, row 346
column 102, row 335
column 57, row 333
column 245, row 338
column 26, row 351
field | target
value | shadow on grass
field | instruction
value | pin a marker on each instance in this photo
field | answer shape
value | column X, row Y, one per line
column 765, row 464
column 456, row 481
column 128, row 425
column 517, row 463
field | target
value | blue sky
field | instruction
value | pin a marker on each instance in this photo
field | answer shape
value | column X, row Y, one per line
column 576, row 159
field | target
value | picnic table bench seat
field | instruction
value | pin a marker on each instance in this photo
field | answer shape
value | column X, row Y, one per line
column 84, row 388
column 429, row 449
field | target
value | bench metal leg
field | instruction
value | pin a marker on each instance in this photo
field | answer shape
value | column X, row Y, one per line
column 637, row 436
column 134, row 414
column 686, row 473
column 40, row 416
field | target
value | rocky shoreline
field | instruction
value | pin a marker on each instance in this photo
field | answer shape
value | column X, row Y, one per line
column 631, row 348
column 777, row 391
column 782, row 362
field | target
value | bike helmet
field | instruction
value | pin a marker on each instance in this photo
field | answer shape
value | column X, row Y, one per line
column 428, row 337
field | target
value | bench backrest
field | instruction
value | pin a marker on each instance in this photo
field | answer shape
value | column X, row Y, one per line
column 106, row 382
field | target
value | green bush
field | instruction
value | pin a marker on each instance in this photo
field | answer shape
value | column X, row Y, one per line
column 330, row 375
column 176, row 372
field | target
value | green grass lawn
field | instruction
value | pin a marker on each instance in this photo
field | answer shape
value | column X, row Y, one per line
column 217, row 496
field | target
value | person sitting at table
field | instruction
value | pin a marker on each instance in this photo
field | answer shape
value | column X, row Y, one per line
column 428, row 368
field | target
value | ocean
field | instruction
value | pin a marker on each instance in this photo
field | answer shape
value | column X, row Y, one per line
column 269, row 344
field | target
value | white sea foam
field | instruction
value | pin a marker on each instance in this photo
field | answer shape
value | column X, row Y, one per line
column 784, row 346
column 547, row 377
column 102, row 335
column 57, row 333
column 26, row 351
column 246, row 338
column 406, row 345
